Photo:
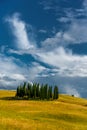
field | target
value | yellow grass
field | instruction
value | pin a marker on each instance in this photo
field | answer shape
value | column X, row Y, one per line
column 67, row 113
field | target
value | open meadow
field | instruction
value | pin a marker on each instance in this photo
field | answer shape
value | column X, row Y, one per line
column 66, row 113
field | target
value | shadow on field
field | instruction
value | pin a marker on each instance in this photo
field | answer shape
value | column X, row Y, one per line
column 23, row 98
column 13, row 98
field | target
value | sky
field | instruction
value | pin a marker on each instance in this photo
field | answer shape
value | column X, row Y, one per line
column 46, row 42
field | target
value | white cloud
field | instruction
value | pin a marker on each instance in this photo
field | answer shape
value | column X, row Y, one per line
column 63, row 19
column 59, row 39
column 53, row 42
column 67, row 37
column 47, row 5
column 65, row 62
column 42, row 31
column 85, row 5
column 18, row 77
column 69, row 89
column 78, row 31
column 36, row 70
column 75, row 34
column 22, row 52
column 10, row 71
column 13, row 71
column 62, row 60
column 19, row 30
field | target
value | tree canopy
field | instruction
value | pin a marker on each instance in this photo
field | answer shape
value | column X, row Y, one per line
column 37, row 91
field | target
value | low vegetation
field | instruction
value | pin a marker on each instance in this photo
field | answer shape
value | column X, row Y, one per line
column 66, row 113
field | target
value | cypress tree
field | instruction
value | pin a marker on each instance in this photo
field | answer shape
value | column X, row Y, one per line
column 29, row 90
column 37, row 90
column 18, row 91
column 45, row 91
column 55, row 92
column 42, row 92
column 24, row 89
column 50, row 89
column 48, row 95
column 34, row 90
column 21, row 91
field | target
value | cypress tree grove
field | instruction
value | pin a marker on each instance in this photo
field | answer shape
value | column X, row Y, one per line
column 33, row 91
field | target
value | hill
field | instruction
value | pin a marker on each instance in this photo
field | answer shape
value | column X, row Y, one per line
column 66, row 113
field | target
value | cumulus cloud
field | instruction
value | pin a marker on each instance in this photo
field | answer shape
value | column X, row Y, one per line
column 59, row 39
column 75, row 22
column 78, row 31
column 60, row 62
column 35, row 70
column 69, row 89
column 10, row 71
column 19, row 30
column 75, row 34
column 66, row 63
column 13, row 71
column 85, row 5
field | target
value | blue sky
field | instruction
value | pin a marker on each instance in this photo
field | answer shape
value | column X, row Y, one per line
column 44, row 41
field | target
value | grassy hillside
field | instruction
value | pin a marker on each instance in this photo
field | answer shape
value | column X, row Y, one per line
column 67, row 113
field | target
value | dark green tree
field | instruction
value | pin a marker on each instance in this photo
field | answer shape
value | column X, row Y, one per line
column 18, row 91
column 45, row 91
column 55, row 92
column 29, row 90
column 24, row 89
column 42, row 92
column 50, row 91
column 34, row 90
column 48, row 95
column 37, row 90
column 21, row 91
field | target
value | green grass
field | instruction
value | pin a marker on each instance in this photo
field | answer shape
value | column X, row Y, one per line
column 66, row 113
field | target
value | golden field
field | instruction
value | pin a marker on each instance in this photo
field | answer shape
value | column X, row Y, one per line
column 66, row 113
